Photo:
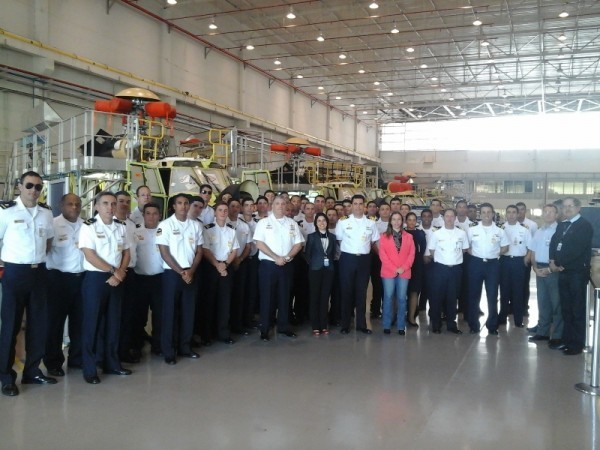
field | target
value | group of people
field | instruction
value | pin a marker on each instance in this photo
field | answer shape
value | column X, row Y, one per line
column 204, row 272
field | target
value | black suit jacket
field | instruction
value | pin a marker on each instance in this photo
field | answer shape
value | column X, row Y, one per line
column 575, row 242
column 314, row 250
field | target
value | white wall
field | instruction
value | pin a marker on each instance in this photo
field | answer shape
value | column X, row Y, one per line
column 85, row 45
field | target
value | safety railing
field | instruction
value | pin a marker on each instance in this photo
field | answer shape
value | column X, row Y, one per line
column 592, row 339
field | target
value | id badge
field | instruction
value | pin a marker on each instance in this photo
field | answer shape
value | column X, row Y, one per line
column 559, row 246
column 326, row 262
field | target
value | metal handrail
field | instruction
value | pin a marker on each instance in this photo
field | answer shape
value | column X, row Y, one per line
column 593, row 388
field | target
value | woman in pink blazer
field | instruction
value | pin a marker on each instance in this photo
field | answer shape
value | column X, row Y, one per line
column 397, row 253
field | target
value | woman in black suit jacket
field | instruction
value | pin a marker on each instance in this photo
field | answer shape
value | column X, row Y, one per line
column 320, row 251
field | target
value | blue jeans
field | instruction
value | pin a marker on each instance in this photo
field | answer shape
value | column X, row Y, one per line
column 394, row 287
column 549, row 306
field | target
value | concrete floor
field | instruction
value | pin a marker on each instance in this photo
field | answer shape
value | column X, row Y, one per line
column 422, row 391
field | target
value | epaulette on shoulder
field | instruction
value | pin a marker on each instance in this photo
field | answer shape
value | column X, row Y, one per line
column 503, row 225
column 239, row 218
column 299, row 222
column 256, row 219
column 44, row 205
column 230, row 226
column 121, row 222
column 209, row 226
column 6, row 205
column 473, row 224
column 435, row 228
column 138, row 225
column 343, row 218
column 90, row 221
column 373, row 218
column 525, row 225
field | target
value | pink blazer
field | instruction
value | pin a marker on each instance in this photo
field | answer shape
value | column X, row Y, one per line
column 392, row 259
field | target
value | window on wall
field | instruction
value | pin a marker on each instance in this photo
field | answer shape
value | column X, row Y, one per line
column 592, row 188
column 489, row 187
column 518, row 187
column 567, row 187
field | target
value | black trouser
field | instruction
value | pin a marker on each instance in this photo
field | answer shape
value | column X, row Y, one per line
column 127, row 312
column 335, row 309
column 354, row 280
column 274, row 284
column 300, row 289
column 216, row 304
column 512, row 277
column 320, row 283
column 23, row 289
column 572, row 287
column 251, row 291
column 445, row 287
column 376, row 284
column 238, row 294
column 148, row 294
column 64, row 300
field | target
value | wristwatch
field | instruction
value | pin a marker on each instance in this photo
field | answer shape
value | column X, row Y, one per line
column 287, row 258
column 112, row 270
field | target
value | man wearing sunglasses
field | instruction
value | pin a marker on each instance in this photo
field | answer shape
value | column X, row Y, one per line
column 26, row 228
column 208, row 214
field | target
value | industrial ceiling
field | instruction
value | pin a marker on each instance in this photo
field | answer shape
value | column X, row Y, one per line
column 444, row 59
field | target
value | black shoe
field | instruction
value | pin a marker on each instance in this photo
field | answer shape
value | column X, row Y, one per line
column 129, row 359
column 412, row 324
column 538, row 337
column 120, row 371
column 10, row 389
column 171, row 361
column 264, row 337
column 572, row 351
column 436, row 331
column 58, row 372
column 364, row 330
column 556, row 344
column 386, row 331
column 473, row 331
column 344, row 331
column 502, row 321
column 228, row 341
column 92, row 379
column 493, row 332
column 39, row 379
column 455, row 331
column 401, row 332
column 190, row 354
column 241, row 332
column 156, row 351
column 289, row 334
column 206, row 342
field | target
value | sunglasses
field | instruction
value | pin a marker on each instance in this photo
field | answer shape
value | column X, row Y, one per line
column 38, row 187
column 206, row 192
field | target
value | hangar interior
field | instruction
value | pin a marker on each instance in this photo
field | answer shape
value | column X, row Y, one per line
column 403, row 86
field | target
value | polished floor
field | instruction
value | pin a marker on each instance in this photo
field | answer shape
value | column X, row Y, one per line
column 421, row 391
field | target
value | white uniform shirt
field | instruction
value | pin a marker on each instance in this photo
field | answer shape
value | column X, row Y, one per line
column 540, row 244
column 530, row 225
column 207, row 215
column 182, row 238
column 428, row 233
column 486, row 241
column 448, row 246
column 242, row 234
column 65, row 254
column 130, row 225
column 463, row 225
column 24, row 234
column 338, row 252
column 252, row 225
column 438, row 221
column 137, row 216
column 108, row 241
column 221, row 241
column 149, row 261
column 280, row 235
column 356, row 235
column 519, row 238
column 305, row 227
column 381, row 226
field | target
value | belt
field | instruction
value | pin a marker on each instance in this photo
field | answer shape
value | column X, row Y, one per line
column 450, row 266
column 356, row 254
column 485, row 259
column 539, row 264
column 28, row 266
column 512, row 256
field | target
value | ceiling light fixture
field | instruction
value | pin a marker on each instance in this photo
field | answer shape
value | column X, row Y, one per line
column 213, row 25
column 423, row 66
column 277, row 62
column 373, row 5
column 484, row 43
column 249, row 46
column 389, row 94
column 451, row 99
column 401, row 102
column 477, row 22
column 444, row 90
column 299, row 76
column 395, row 30
column 562, row 37
column 320, row 37
column 290, row 15
column 320, row 88
column 171, row 2
column 352, row 105
column 434, row 78
column 365, row 112
column 361, row 70
column 342, row 55
column 338, row 98
column 410, row 49
column 563, row 15
column 376, row 83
